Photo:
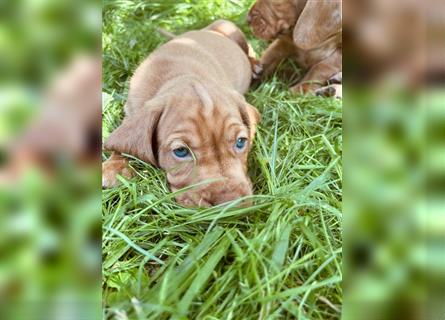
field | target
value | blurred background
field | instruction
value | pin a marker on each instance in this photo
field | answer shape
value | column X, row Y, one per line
column 50, row 198
column 394, row 166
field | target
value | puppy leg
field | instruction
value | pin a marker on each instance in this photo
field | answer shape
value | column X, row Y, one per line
column 115, row 165
column 319, row 74
column 274, row 54
column 257, row 68
column 231, row 31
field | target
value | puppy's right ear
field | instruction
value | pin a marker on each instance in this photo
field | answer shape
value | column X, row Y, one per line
column 319, row 20
column 137, row 135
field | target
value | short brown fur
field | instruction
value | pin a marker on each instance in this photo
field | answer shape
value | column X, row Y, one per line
column 308, row 31
column 189, row 93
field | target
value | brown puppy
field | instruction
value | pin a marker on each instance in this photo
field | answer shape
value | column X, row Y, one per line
column 308, row 31
column 186, row 114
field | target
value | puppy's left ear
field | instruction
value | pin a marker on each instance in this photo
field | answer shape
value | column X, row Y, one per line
column 318, row 21
column 251, row 117
column 137, row 135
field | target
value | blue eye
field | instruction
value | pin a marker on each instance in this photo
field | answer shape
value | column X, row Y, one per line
column 181, row 152
column 240, row 143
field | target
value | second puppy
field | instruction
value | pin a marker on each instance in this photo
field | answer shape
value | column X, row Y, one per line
column 308, row 31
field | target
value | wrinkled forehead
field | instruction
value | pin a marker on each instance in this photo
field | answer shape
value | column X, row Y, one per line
column 265, row 6
column 278, row 9
column 196, row 122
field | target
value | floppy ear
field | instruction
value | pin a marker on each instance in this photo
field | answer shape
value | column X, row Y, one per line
column 318, row 21
column 251, row 117
column 137, row 135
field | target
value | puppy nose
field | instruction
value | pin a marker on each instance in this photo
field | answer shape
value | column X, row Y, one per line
column 223, row 195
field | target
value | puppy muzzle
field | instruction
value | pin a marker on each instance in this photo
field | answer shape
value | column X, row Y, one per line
column 217, row 193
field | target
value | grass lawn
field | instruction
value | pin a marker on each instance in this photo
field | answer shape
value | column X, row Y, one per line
column 280, row 258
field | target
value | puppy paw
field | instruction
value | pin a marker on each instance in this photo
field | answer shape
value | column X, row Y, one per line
column 336, row 78
column 328, row 91
column 257, row 69
column 111, row 169
column 333, row 90
column 305, row 88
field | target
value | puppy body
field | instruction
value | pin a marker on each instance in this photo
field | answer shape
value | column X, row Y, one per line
column 203, row 54
column 188, row 94
column 307, row 31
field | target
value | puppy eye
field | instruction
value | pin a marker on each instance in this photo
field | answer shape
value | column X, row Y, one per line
column 181, row 152
column 240, row 143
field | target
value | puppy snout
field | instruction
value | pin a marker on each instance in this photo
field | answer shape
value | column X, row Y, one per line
column 219, row 194
column 215, row 194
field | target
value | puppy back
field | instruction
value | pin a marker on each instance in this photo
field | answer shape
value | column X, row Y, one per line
column 219, row 58
column 206, row 55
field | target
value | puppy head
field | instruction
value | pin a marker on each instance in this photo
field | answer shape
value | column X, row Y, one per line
column 270, row 18
column 196, row 136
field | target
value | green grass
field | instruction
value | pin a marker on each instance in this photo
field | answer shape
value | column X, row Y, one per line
column 280, row 258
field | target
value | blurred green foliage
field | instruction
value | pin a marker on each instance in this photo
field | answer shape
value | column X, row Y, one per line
column 49, row 220
column 394, row 224
column 50, row 245
column 37, row 37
